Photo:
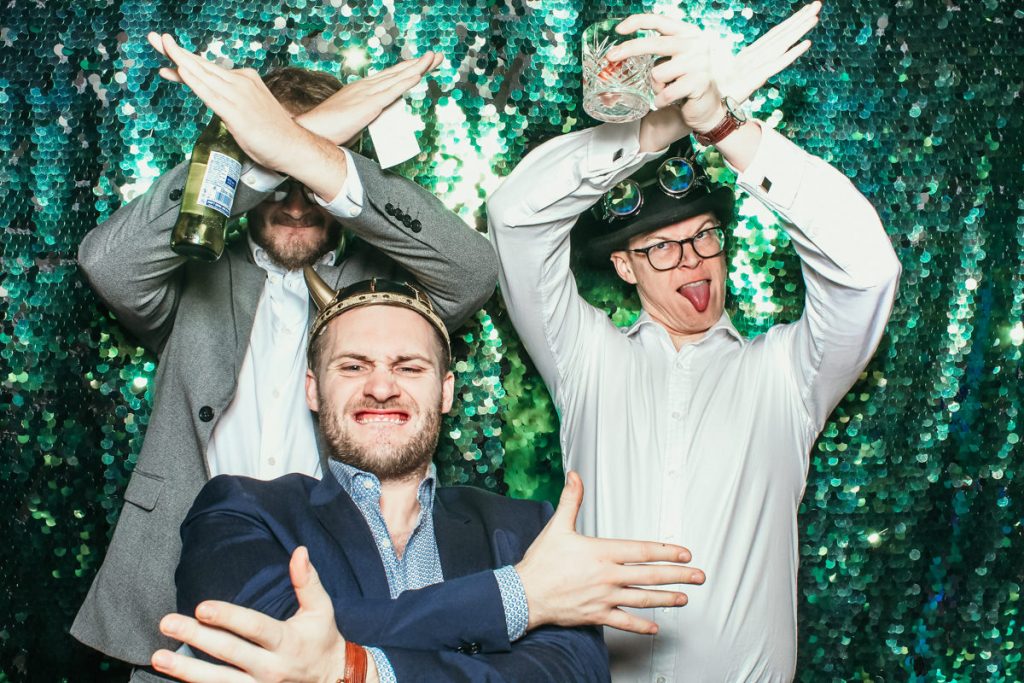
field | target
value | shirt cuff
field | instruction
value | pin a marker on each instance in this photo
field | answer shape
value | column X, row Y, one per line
column 384, row 669
column 614, row 146
column 513, row 599
column 347, row 204
column 349, row 201
column 777, row 170
column 260, row 178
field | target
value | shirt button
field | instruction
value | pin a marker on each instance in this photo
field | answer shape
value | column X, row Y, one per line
column 353, row 211
column 277, row 393
column 677, row 415
column 662, row 679
column 271, row 462
column 367, row 484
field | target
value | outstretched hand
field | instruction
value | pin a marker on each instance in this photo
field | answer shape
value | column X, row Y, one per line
column 260, row 125
column 344, row 114
column 305, row 648
column 740, row 76
column 697, row 70
column 573, row 580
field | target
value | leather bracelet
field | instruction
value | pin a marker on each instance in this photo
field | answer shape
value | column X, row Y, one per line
column 355, row 663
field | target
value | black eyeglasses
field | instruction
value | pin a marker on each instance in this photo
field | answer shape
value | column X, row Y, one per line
column 669, row 254
column 676, row 176
column 282, row 191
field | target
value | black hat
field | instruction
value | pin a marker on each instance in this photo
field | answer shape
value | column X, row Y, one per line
column 661, row 192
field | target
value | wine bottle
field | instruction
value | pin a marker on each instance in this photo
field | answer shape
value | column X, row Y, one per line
column 214, row 171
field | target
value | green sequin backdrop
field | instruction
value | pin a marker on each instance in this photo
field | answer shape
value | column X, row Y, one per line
column 911, row 540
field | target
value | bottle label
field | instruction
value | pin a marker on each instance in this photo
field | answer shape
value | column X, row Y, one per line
column 218, row 189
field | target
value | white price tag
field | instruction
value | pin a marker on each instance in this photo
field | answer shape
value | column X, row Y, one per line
column 394, row 135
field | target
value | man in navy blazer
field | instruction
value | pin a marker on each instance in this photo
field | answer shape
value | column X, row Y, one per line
column 433, row 583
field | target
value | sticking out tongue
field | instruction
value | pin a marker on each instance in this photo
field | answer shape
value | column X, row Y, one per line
column 698, row 294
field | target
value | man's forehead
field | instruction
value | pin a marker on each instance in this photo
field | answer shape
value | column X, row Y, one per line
column 377, row 325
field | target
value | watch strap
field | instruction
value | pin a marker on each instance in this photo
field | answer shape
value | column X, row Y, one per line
column 722, row 129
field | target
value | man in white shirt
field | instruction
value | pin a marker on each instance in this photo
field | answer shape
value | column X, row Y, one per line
column 231, row 336
column 682, row 430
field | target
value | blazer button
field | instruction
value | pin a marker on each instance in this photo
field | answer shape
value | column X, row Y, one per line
column 175, row 195
column 416, row 225
column 206, row 413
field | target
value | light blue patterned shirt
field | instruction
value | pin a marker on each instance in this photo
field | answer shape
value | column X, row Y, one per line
column 420, row 564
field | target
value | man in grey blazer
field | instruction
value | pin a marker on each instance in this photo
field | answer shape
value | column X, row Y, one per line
column 228, row 333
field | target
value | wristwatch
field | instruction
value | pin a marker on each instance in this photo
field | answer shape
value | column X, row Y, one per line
column 732, row 120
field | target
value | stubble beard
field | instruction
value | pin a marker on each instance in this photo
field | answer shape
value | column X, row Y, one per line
column 386, row 461
column 290, row 254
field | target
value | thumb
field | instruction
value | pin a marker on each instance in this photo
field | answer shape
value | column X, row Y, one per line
column 308, row 590
column 564, row 518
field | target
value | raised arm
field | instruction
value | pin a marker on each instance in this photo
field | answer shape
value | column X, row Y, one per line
column 127, row 259
column 453, row 262
column 850, row 269
column 531, row 216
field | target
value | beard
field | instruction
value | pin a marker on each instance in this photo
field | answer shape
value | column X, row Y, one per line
column 289, row 253
column 385, row 460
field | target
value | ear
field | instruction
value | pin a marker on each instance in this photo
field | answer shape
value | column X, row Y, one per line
column 623, row 267
column 312, row 399
column 447, row 391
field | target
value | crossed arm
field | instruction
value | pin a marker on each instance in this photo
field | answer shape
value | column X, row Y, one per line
column 569, row 579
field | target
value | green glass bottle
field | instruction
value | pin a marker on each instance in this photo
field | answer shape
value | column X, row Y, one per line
column 214, row 171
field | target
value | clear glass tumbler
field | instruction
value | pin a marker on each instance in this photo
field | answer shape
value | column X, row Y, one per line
column 614, row 91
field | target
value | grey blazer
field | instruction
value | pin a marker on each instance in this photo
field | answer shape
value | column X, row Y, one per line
column 198, row 317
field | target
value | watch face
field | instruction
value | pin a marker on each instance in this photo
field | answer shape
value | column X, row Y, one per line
column 734, row 108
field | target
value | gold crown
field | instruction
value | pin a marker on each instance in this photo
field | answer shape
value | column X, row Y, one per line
column 376, row 291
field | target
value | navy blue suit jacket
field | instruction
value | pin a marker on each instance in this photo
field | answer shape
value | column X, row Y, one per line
column 239, row 536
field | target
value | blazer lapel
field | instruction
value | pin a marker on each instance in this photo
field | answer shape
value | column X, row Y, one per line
column 346, row 525
column 462, row 542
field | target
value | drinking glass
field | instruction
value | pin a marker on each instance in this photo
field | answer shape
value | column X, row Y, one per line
column 614, row 91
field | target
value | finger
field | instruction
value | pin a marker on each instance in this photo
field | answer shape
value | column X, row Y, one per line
column 194, row 670
column 180, row 56
column 758, row 78
column 640, row 598
column 780, row 38
column 170, row 74
column 657, row 575
column 651, row 45
column 156, row 42
column 636, row 552
column 679, row 65
column 220, row 644
column 692, row 85
column 656, row 22
column 400, row 69
column 254, row 626
column 624, row 621
column 210, row 91
column 569, row 502
column 310, row 592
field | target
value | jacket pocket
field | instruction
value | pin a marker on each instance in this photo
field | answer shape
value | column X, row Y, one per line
column 143, row 490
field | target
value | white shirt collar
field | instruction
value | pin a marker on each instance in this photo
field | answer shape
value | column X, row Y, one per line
column 723, row 326
column 263, row 260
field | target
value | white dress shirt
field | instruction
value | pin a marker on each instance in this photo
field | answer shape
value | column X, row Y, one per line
column 267, row 429
column 707, row 446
